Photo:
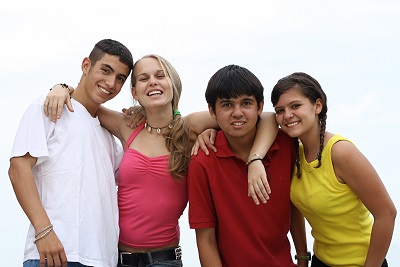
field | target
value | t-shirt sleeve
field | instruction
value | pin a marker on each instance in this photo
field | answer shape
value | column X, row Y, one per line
column 202, row 212
column 33, row 133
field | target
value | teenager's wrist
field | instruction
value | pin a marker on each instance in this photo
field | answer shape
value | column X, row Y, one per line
column 64, row 85
column 303, row 257
column 252, row 158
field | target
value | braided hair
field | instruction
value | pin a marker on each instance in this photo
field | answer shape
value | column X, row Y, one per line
column 311, row 89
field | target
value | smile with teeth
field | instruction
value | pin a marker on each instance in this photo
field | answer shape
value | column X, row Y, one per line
column 237, row 123
column 292, row 124
column 157, row 92
column 104, row 90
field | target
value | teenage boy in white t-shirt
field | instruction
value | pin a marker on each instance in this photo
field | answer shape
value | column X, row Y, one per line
column 63, row 173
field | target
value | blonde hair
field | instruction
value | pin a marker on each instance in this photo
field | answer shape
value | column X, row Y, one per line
column 180, row 138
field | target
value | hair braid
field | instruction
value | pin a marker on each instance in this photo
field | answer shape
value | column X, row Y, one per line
column 321, row 140
column 296, row 146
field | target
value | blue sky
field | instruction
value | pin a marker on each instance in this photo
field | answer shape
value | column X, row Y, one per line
column 350, row 47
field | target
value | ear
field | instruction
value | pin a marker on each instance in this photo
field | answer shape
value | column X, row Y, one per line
column 261, row 107
column 212, row 113
column 134, row 93
column 318, row 106
column 86, row 64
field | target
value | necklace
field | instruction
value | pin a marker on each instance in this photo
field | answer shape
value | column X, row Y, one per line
column 158, row 129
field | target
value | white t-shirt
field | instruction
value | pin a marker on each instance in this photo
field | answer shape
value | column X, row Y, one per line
column 75, row 176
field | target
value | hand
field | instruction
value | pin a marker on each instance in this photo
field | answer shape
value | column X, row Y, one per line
column 51, row 251
column 134, row 116
column 205, row 140
column 55, row 101
column 258, row 187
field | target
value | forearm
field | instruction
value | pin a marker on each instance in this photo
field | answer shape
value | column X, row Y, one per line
column 208, row 248
column 267, row 130
column 298, row 231
column 26, row 192
column 381, row 237
column 201, row 121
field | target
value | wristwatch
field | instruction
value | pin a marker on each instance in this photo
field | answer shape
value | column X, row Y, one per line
column 299, row 257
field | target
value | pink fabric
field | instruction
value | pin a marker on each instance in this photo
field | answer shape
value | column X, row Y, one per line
column 150, row 200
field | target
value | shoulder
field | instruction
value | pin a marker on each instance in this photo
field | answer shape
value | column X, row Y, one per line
column 283, row 140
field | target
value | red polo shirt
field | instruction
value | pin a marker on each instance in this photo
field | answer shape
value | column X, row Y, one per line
column 247, row 234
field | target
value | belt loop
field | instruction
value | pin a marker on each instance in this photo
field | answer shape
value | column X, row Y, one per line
column 178, row 253
column 150, row 257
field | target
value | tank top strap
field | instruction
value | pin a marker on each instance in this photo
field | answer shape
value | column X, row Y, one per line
column 134, row 134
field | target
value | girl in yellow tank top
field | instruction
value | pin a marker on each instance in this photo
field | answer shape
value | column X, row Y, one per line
column 333, row 185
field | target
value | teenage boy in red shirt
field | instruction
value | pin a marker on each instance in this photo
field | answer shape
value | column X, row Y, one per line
column 230, row 229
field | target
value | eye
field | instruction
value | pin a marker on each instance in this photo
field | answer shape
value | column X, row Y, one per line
column 121, row 79
column 142, row 78
column 295, row 106
column 225, row 105
column 247, row 103
column 106, row 71
column 278, row 111
column 160, row 76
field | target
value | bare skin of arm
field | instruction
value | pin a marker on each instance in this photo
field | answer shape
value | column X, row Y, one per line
column 298, row 233
column 115, row 122
column 258, row 186
column 208, row 248
column 267, row 129
column 25, row 189
column 353, row 168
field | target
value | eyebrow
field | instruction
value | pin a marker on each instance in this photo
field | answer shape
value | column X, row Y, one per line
column 230, row 99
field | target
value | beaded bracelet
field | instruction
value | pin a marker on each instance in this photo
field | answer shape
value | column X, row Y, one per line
column 44, row 229
column 63, row 85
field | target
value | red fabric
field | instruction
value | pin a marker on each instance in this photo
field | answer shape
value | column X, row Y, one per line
column 247, row 234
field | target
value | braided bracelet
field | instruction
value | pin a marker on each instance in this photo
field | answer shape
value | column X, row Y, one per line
column 43, row 235
column 44, row 229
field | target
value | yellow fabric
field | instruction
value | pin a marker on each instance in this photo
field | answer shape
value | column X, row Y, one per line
column 341, row 224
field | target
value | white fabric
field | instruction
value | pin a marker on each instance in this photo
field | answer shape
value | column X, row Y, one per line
column 75, row 176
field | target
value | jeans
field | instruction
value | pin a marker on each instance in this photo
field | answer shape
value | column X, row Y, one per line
column 318, row 263
column 36, row 263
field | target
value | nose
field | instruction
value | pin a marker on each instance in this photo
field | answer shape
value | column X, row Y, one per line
column 153, row 80
column 287, row 114
column 237, row 111
column 110, row 82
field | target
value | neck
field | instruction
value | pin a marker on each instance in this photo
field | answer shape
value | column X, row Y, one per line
column 311, row 144
column 81, row 97
column 157, row 122
column 241, row 146
column 157, row 129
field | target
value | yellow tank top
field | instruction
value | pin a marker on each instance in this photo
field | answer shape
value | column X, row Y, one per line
column 341, row 224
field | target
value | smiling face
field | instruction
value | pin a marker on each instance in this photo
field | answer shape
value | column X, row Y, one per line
column 152, row 86
column 296, row 114
column 104, row 80
column 238, row 116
